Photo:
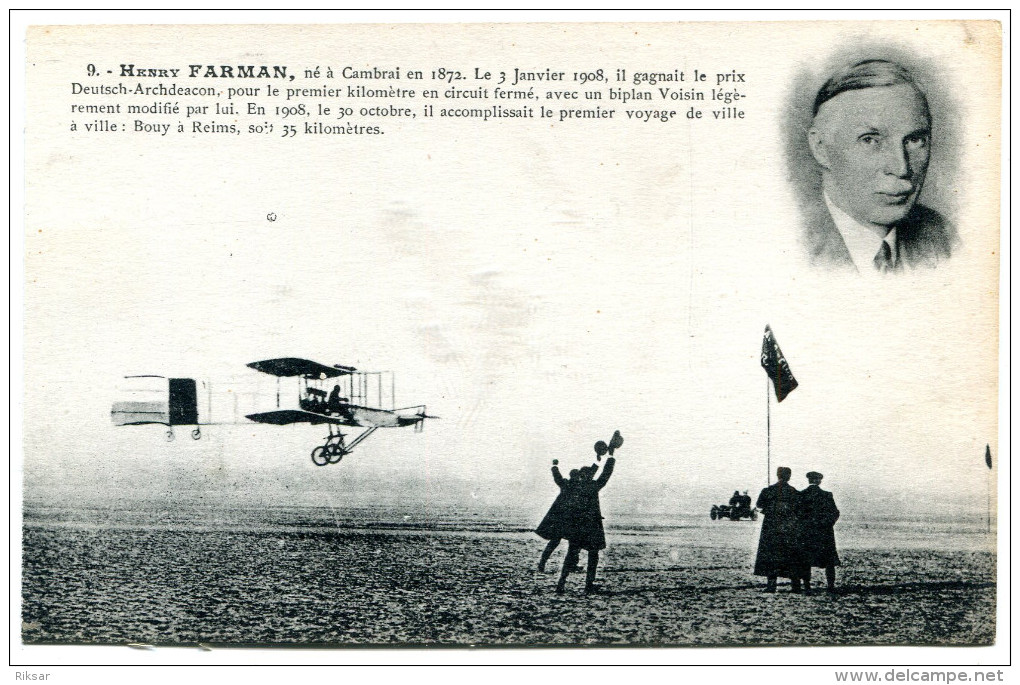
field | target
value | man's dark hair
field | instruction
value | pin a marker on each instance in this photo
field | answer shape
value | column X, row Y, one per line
column 871, row 73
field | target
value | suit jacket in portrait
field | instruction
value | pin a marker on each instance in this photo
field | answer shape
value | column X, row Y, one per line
column 923, row 238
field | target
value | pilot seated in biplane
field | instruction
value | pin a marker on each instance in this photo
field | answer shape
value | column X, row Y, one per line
column 336, row 403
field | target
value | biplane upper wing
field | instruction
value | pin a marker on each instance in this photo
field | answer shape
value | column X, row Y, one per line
column 292, row 366
column 283, row 417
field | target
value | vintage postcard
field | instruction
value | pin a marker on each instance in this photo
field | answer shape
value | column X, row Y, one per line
column 513, row 335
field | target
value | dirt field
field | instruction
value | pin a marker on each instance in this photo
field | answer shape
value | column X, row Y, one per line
column 318, row 585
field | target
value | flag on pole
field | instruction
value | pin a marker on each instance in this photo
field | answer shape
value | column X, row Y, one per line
column 774, row 363
column 988, row 456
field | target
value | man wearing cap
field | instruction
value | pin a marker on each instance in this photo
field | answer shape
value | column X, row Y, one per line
column 871, row 137
column 818, row 514
column 779, row 548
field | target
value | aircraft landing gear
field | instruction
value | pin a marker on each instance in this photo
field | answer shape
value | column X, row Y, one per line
column 196, row 434
column 335, row 448
column 170, row 434
column 332, row 451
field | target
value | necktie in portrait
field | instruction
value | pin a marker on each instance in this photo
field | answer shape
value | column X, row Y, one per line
column 884, row 260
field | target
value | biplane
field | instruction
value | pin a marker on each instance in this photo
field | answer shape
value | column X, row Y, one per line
column 305, row 392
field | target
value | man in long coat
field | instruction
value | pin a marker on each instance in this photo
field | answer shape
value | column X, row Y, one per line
column 554, row 525
column 779, row 548
column 584, row 529
column 818, row 514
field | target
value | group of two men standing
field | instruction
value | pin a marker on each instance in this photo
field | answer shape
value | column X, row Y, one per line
column 796, row 534
column 576, row 515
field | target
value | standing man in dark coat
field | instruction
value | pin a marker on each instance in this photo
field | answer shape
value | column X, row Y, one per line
column 779, row 548
column 818, row 513
column 585, row 529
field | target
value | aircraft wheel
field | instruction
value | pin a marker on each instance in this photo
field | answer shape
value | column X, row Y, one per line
column 170, row 435
column 319, row 457
column 335, row 456
column 196, row 434
column 714, row 514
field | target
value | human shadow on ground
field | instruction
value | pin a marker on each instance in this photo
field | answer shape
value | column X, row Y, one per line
column 667, row 569
column 858, row 589
column 673, row 589
column 853, row 590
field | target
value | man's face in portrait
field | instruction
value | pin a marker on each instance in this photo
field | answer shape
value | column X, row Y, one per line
column 873, row 145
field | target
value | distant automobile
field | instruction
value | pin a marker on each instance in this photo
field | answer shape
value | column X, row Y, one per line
column 738, row 508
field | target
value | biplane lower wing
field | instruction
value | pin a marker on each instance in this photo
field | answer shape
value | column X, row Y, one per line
column 283, row 417
column 352, row 415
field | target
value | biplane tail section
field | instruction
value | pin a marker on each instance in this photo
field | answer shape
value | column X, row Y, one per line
column 139, row 413
column 183, row 402
column 157, row 399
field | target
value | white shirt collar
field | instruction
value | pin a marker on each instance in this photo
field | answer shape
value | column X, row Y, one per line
column 861, row 241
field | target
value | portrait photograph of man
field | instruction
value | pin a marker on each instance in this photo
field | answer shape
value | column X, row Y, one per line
column 871, row 137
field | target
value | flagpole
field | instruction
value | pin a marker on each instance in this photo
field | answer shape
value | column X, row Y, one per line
column 988, row 488
column 768, row 435
column 988, row 491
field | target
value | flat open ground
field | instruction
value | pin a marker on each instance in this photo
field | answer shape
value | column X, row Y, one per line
column 302, row 580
